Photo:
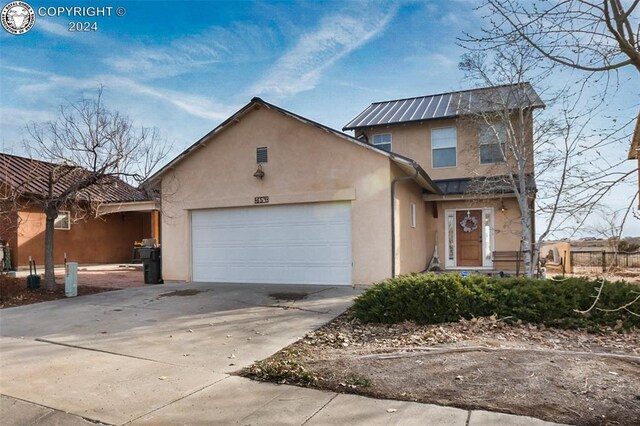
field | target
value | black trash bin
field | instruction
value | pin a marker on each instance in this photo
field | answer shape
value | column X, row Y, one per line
column 151, row 264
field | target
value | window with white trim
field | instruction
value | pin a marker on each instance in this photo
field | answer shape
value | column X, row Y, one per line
column 487, row 235
column 451, row 238
column 413, row 215
column 383, row 141
column 62, row 221
column 492, row 143
column 444, row 142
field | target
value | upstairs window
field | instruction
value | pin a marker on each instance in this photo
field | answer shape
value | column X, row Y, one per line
column 444, row 142
column 63, row 221
column 383, row 141
column 492, row 143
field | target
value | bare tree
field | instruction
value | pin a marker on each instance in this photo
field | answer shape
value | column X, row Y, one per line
column 568, row 178
column 91, row 147
column 588, row 35
column 592, row 36
column 610, row 227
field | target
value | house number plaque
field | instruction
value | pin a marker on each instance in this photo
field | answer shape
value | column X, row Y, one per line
column 261, row 200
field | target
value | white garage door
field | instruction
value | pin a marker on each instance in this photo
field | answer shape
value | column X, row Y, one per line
column 284, row 244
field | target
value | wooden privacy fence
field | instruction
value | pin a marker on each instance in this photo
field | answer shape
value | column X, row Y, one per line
column 603, row 261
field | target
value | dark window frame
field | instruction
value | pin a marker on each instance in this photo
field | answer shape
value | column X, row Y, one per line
column 58, row 219
column 490, row 148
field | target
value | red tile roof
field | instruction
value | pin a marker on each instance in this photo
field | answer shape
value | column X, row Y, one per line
column 31, row 177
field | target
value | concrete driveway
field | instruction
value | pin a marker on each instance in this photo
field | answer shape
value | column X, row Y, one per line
column 115, row 357
column 163, row 355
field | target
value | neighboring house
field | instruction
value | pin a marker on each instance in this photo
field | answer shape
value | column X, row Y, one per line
column 634, row 150
column 125, row 215
column 269, row 196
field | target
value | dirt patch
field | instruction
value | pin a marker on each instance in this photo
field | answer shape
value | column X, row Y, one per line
column 288, row 297
column 125, row 277
column 188, row 292
column 630, row 276
column 566, row 376
column 14, row 292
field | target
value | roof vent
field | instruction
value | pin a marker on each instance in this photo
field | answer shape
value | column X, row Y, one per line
column 261, row 155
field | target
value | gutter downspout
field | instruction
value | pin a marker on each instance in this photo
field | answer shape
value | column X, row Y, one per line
column 393, row 218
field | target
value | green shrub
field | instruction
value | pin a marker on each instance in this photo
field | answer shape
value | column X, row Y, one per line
column 431, row 299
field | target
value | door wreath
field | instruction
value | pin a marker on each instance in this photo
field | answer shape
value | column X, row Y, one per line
column 469, row 223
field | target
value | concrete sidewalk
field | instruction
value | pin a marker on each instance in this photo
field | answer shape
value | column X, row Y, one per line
column 167, row 354
column 235, row 400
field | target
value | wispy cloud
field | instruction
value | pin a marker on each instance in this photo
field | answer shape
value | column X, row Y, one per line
column 53, row 28
column 302, row 67
column 239, row 43
column 192, row 104
column 9, row 115
column 23, row 70
column 195, row 105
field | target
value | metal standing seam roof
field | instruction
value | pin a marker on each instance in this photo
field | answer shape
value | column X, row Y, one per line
column 493, row 185
column 444, row 105
column 31, row 177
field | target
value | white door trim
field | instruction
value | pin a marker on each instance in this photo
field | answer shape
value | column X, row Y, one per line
column 450, row 237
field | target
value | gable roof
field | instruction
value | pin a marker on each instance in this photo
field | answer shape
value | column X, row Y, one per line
column 31, row 177
column 445, row 105
column 634, row 149
column 406, row 164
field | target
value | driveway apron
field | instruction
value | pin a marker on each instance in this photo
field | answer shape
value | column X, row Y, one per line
column 116, row 357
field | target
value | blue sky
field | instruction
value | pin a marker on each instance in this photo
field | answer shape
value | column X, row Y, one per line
column 184, row 66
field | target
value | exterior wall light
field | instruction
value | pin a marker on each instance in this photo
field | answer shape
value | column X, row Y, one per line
column 259, row 173
column 502, row 207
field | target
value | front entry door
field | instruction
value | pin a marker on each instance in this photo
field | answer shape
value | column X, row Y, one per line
column 469, row 238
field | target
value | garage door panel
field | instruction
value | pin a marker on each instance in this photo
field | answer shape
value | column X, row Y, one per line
column 296, row 244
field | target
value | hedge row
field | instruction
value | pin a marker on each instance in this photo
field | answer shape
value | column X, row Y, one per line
column 431, row 299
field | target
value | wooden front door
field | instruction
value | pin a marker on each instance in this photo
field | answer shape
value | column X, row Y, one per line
column 469, row 240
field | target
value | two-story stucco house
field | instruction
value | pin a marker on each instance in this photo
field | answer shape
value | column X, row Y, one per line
column 451, row 135
column 269, row 196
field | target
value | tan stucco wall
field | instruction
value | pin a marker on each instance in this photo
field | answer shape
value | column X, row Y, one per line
column 411, row 243
column 108, row 239
column 507, row 226
column 414, row 141
column 306, row 164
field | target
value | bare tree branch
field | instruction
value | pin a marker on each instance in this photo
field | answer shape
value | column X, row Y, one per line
column 90, row 149
column 593, row 36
